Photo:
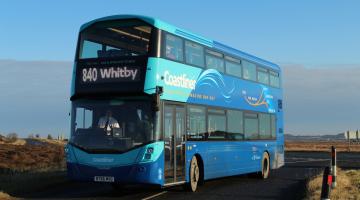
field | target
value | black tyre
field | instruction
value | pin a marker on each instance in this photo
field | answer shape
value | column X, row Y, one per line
column 265, row 166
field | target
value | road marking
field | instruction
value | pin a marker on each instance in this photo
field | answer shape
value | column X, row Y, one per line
column 155, row 195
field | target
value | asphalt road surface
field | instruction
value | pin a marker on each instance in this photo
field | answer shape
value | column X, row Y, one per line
column 285, row 183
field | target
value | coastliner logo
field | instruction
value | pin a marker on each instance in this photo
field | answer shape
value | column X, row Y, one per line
column 179, row 80
column 92, row 74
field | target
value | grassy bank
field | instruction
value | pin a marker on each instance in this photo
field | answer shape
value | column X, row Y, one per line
column 30, row 158
column 31, row 166
column 348, row 186
column 4, row 196
column 320, row 146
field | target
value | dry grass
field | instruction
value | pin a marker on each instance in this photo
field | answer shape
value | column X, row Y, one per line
column 320, row 146
column 348, row 186
column 57, row 142
column 36, row 164
column 4, row 196
column 25, row 158
column 17, row 142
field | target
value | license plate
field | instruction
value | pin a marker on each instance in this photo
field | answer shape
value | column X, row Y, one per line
column 104, row 179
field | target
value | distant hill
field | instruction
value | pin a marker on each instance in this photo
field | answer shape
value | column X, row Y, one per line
column 336, row 137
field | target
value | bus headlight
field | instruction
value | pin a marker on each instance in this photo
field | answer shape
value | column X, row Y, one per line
column 149, row 151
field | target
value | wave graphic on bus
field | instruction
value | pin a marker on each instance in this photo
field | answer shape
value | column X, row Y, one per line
column 265, row 98
column 214, row 79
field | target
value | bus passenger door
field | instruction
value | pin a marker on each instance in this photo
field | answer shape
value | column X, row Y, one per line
column 174, row 128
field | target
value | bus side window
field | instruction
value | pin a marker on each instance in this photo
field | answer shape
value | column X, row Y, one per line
column 216, row 124
column 274, row 79
column 249, row 70
column 233, row 66
column 235, row 125
column 251, row 126
column 264, row 126
column 194, row 54
column 196, row 121
column 214, row 60
column 273, row 126
column 174, row 48
column 263, row 75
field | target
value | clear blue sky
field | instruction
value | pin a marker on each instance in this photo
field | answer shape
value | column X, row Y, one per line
column 321, row 32
column 317, row 42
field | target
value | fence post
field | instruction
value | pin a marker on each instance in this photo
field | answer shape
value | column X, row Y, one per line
column 326, row 183
column 348, row 137
column 333, row 166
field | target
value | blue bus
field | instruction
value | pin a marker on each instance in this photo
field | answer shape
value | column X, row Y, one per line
column 155, row 104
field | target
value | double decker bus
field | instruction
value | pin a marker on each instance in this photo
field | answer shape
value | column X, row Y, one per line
column 155, row 104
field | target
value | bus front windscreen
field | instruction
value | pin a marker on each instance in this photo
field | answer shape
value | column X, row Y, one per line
column 112, row 126
column 115, row 38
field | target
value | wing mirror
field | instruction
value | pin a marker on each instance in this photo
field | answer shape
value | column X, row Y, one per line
column 156, row 97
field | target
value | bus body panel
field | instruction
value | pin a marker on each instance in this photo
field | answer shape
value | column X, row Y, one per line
column 222, row 159
column 129, row 167
column 209, row 87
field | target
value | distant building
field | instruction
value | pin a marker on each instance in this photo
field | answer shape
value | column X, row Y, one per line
column 352, row 135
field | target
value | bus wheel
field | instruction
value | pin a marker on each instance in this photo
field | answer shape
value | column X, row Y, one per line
column 265, row 166
column 194, row 174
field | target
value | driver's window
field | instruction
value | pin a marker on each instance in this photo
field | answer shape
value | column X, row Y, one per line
column 84, row 118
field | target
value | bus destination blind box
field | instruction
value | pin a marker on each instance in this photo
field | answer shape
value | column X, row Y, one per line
column 115, row 75
column 109, row 71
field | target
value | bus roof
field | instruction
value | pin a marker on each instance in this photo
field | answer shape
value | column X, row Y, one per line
column 188, row 35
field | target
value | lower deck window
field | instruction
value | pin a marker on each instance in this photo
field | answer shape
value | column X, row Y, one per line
column 196, row 120
column 235, row 125
column 251, row 126
column 264, row 126
column 216, row 126
column 273, row 126
column 231, row 125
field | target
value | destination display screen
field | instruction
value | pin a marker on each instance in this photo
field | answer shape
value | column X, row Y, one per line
column 126, row 74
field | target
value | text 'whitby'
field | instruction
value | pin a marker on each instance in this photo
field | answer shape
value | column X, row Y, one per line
column 111, row 73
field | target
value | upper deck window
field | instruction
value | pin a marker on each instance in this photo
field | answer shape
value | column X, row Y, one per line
column 263, row 75
column 249, row 70
column 214, row 61
column 115, row 39
column 233, row 66
column 274, row 79
column 174, row 47
column 194, row 54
